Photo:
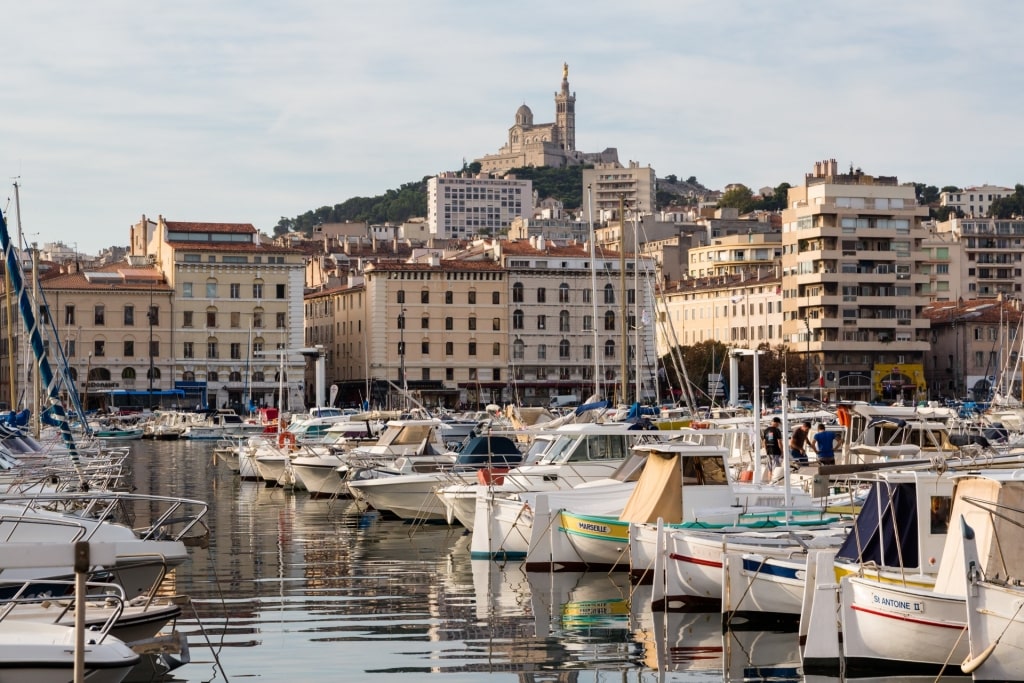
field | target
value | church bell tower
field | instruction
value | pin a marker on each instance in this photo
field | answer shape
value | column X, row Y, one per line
column 565, row 114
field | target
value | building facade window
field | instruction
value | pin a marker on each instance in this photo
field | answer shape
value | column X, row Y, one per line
column 188, row 350
column 98, row 315
column 517, row 293
column 235, row 290
column 129, row 348
column 517, row 320
column 129, row 315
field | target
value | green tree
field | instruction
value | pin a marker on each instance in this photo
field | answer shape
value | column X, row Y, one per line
column 692, row 180
column 777, row 201
column 926, row 194
column 1008, row 207
column 672, row 178
column 739, row 197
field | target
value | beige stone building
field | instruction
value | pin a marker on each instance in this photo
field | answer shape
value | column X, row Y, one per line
column 853, row 284
column 438, row 329
column 579, row 325
column 975, row 201
column 236, row 311
column 336, row 320
column 102, row 317
column 741, row 310
column 975, row 348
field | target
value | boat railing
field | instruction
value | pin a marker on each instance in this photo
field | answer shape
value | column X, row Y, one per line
column 19, row 523
column 108, row 595
column 170, row 518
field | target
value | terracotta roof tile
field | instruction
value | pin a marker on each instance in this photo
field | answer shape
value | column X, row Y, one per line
column 189, row 226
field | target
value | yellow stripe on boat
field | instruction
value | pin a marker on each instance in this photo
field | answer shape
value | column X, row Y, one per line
column 591, row 526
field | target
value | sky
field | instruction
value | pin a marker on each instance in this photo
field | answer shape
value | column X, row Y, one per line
column 246, row 111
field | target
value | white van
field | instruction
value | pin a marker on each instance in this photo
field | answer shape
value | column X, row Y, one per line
column 564, row 401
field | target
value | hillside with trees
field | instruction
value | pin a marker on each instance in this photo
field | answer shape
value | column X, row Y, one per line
column 394, row 206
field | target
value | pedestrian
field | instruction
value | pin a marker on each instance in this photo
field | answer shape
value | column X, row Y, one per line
column 823, row 444
column 772, row 440
column 798, row 443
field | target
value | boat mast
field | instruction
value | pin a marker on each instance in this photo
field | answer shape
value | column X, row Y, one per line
column 636, row 305
column 593, row 293
column 56, row 408
column 624, row 358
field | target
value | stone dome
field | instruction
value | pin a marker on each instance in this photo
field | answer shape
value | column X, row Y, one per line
column 524, row 116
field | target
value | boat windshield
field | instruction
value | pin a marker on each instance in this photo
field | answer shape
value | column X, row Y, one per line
column 405, row 435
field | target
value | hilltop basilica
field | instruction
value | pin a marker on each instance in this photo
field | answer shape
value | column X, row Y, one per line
column 545, row 144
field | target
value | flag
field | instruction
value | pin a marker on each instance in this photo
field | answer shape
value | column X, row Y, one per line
column 821, row 378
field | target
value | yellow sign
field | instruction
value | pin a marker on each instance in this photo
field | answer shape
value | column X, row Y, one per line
column 888, row 379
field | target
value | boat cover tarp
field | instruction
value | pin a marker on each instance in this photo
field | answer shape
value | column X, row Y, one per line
column 658, row 492
column 886, row 529
column 1000, row 541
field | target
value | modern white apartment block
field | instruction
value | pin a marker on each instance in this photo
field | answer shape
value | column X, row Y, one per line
column 974, row 201
column 462, row 207
column 989, row 251
column 606, row 184
column 853, row 283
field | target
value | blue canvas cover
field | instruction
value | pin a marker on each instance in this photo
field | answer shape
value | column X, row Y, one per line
column 886, row 530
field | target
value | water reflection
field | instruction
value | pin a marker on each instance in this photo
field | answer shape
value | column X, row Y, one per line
column 316, row 590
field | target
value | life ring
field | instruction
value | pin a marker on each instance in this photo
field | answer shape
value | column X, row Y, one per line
column 843, row 416
column 699, row 425
column 285, row 438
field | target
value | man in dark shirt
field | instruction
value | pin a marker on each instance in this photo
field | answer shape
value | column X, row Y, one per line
column 798, row 444
column 772, row 440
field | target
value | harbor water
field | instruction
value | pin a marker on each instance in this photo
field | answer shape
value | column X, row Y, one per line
column 291, row 588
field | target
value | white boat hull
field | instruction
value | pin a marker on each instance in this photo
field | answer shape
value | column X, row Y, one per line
column 44, row 653
column 885, row 626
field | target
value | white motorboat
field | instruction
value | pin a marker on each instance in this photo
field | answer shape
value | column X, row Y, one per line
column 34, row 652
column 412, row 495
column 144, row 556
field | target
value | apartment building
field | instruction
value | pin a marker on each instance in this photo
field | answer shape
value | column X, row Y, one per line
column 736, row 254
column 236, row 320
column 579, row 325
column 606, row 184
column 112, row 324
column 975, row 349
column 462, row 206
column 742, row 310
column 974, row 201
column 336, row 321
column 854, row 283
column 989, row 250
column 438, row 329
